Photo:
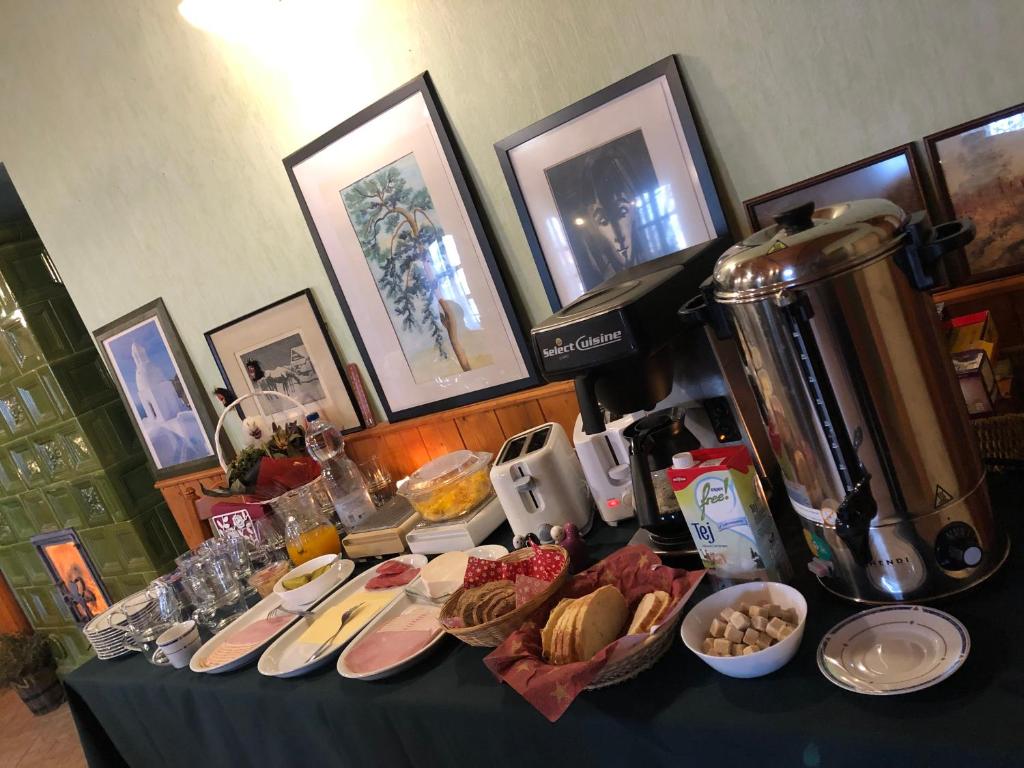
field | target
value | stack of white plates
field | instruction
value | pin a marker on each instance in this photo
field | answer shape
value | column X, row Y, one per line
column 107, row 633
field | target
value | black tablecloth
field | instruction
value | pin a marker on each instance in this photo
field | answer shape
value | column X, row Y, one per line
column 449, row 710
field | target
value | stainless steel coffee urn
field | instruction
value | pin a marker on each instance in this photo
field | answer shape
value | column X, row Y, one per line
column 843, row 346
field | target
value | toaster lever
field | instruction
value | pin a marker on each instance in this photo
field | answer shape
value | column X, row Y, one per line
column 523, row 483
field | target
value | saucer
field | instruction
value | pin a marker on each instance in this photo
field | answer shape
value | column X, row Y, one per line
column 893, row 649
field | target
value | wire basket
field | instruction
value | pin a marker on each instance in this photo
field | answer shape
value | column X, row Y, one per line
column 231, row 408
column 1001, row 439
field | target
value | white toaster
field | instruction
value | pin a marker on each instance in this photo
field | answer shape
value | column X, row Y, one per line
column 538, row 480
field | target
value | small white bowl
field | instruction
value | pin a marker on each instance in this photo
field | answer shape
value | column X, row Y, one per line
column 487, row 551
column 698, row 620
column 304, row 596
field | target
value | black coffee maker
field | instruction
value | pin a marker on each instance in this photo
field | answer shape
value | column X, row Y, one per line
column 627, row 350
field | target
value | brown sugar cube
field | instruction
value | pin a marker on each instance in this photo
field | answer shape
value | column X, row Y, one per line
column 789, row 616
column 721, row 647
column 743, row 607
column 753, row 611
column 726, row 614
column 763, row 642
column 771, row 610
column 732, row 634
column 760, row 623
column 750, row 636
column 739, row 620
column 737, row 649
column 774, row 626
column 786, row 631
column 718, row 628
column 708, row 645
column 750, row 649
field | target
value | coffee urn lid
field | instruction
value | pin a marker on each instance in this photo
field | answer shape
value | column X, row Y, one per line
column 807, row 244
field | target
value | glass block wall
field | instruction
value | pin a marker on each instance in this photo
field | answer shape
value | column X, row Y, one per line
column 69, row 457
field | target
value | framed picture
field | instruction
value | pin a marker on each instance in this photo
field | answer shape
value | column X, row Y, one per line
column 160, row 389
column 979, row 172
column 891, row 175
column 399, row 234
column 612, row 181
column 284, row 348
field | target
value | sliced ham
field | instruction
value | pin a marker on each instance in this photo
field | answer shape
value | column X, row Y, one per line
column 392, row 568
column 389, row 581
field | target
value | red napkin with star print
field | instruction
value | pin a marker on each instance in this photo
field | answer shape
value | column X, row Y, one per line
column 550, row 688
column 545, row 565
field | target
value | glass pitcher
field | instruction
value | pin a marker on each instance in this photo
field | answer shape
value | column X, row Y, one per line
column 308, row 532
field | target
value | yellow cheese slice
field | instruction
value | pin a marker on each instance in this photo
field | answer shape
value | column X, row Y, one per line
column 325, row 626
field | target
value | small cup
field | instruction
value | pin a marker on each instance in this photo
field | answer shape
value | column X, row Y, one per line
column 179, row 643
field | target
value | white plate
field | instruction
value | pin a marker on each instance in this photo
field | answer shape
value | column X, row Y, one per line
column 893, row 649
column 287, row 656
column 258, row 612
column 488, row 551
column 399, row 605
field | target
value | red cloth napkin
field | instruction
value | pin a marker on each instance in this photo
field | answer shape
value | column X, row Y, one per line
column 550, row 688
column 545, row 564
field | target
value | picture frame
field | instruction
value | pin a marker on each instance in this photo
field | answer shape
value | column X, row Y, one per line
column 398, row 231
column 287, row 347
column 870, row 177
column 979, row 173
column 613, row 180
column 160, row 390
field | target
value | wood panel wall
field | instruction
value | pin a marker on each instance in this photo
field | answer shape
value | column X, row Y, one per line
column 404, row 447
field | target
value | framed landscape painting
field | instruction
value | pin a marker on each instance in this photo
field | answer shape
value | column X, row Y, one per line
column 407, row 254
column 979, row 172
column 283, row 347
column 890, row 175
column 170, row 413
column 614, row 180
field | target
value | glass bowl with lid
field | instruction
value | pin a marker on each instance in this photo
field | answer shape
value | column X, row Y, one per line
column 450, row 485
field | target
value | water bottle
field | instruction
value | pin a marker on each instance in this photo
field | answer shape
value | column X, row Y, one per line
column 341, row 475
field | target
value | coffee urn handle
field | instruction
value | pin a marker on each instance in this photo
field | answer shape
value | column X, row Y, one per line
column 927, row 245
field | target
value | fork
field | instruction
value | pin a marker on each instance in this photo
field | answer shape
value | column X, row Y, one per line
column 414, row 595
column 294, row 612
column 327, row 643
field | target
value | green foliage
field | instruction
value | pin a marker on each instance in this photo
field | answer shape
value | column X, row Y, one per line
column 22, row 655
column 385, row 208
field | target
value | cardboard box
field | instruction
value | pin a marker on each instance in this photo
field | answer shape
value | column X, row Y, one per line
column 977, row 381
column 974, row 331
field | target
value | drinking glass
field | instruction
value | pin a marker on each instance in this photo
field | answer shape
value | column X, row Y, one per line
column 218, row 593
column 379, row 483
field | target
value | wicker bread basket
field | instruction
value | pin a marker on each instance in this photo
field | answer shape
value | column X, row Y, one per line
column 640, row 657
column 491, row 634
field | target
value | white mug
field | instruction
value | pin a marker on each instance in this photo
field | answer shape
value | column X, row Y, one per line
column 179, row 643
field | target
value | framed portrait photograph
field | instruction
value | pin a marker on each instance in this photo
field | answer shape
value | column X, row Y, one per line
column 284, row 347
column 399, row 234
column 614, row 180
column 160, row 389
column 979, row 172
column 890, row 175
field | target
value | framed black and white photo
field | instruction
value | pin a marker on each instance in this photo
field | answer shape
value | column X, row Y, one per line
column 617, row 179
column 397, row 229
column 979, row 172
column 160, row 389
column 284, row 347
column 890, row 175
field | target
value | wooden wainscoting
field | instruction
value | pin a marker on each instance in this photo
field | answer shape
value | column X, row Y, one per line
column 404, row 447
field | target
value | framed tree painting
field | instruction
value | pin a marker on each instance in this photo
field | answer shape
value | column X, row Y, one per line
column 284, row 347
column 614, row 180
column 890, row 175
column 979, row 172
column 160, row 390
column 397, row 229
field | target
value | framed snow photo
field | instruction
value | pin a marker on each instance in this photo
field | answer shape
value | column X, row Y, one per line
column 406, row 252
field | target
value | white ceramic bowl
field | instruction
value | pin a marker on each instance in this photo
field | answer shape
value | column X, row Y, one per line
column 304, row 596
column 698, row 620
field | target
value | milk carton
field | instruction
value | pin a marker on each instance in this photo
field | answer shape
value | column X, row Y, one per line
column 719, row 494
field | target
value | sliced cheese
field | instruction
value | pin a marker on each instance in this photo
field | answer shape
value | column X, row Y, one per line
column 325, row 626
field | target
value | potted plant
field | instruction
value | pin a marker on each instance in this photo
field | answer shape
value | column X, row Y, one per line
column 27, row 663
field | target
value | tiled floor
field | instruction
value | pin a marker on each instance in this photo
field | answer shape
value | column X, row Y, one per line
column 27, row 741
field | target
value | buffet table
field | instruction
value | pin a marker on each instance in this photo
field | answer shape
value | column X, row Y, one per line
column 449, row 710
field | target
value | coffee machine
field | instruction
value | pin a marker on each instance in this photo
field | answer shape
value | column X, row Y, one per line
column 677, row 387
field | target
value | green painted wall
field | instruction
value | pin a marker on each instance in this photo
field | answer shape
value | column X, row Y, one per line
column 148, row 150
